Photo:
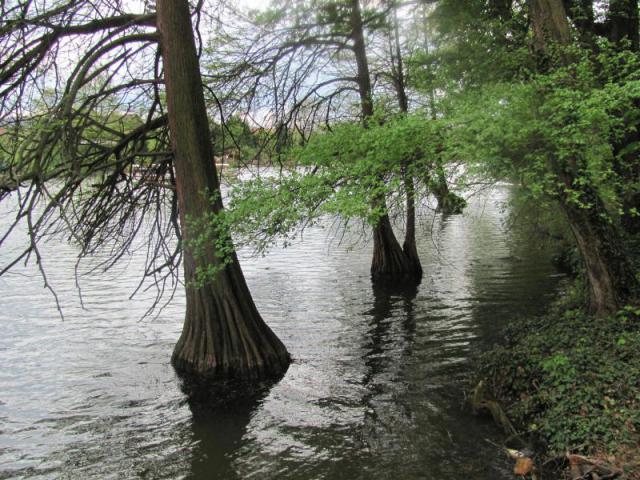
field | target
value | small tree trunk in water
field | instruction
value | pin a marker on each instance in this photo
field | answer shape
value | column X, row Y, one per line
column 609, row 270
column 389, row 261
column 409, row 246
column 223, row 334
column 448, row 202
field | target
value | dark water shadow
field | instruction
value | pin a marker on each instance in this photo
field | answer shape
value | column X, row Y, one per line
column 393, row 309
column 221, row 413
column 389, row 343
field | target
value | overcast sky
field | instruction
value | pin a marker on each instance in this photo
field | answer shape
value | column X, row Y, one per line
column 254, row 4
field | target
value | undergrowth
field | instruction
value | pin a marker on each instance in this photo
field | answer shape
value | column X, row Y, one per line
column 572, row 382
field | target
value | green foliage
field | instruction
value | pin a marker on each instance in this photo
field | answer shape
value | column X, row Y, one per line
column 235, row 140
column 473, row 43
column 271, row 208
column 208, row 240
column 571, row 380
column 338, row 173
column 561, row 121
column 381, row 148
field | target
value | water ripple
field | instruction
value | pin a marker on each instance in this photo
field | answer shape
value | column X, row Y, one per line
column 374, row 391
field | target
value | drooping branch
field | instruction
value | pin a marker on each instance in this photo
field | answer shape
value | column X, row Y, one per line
column 84, row 136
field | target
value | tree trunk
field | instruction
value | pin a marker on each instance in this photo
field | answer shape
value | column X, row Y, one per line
column 409, row 246
column 389, row 261
column 549, row 24
column 360, row 52
column 610, row 273
column 448, row 202
column 400, row 83
column 223, row 334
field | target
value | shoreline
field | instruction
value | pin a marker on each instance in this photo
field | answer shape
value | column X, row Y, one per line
column 565, row 388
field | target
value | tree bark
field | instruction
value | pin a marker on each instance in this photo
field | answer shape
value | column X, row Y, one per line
column 389, row 261
column 360, row 52
column 609, row 274
column 549, row 24
column 223, row 334
column 609, row 271
column 409, row 246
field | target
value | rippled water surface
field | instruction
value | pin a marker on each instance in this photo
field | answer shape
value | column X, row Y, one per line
column 375, row 390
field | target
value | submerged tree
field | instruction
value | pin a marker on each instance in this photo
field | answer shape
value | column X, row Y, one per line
column 398, row 80
column 99, row 182
column 421, row 79
column 389, row 261
column 223, row 334
column 318, row 52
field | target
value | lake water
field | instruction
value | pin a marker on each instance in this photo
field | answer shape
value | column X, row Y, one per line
column 375, row 389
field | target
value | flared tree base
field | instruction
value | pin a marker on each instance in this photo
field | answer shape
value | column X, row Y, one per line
column 224, row 336
column 411, row 253
column 390, row 262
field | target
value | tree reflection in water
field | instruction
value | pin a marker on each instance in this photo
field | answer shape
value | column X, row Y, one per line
column 221, row 413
